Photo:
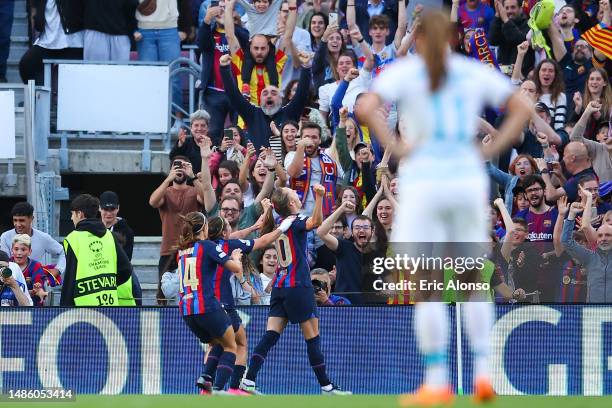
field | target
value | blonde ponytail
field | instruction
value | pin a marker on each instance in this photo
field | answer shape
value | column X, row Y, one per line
column 435, row 31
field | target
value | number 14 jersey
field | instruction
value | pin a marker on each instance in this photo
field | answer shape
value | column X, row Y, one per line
column 196, row 269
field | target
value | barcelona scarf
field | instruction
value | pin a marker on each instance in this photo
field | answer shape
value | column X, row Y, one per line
column 329, row 176
column 600, row 38
column 481, row 49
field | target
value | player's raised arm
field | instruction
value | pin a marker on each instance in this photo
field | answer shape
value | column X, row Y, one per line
column 317, row 214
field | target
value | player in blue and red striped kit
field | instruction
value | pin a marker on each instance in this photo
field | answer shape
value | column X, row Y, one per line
column 219, row 231
column 201, row 311
column 292, row 297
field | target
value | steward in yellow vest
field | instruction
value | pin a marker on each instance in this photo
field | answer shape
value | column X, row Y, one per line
column 98, row 272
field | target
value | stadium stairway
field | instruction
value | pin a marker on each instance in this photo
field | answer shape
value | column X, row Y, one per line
column 144, row 261
column 19, row 41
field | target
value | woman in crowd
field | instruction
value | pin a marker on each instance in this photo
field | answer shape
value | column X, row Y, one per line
column 358, row 170
column 229, row 149
column 326, row 57
column 351, row 132
column 522, row 166
column 268, row 263
column 317, row 26
column 597, row 89
column 227, row 170
column 253, row 172
column 254, row 292
column 198, row 262
column 381, row 209
column 284, row 140
column 550, row 87
column 349, row 193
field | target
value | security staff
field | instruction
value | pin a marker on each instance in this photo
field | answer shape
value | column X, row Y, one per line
column 98, row 272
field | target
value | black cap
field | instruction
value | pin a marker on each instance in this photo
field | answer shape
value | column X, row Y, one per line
column 4, row 256
column 109, row 200
column 542, row 107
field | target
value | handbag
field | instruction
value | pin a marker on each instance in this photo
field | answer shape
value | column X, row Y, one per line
column 147, row 7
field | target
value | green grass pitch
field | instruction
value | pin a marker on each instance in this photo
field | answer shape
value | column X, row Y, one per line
column 306, row 401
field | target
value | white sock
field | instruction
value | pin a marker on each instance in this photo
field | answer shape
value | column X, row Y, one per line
column 431, row 326
column 478, row 319
column 248, row 382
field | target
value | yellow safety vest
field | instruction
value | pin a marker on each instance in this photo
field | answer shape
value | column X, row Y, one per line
column 96, row 275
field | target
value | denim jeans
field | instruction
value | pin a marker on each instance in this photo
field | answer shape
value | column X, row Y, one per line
column 162, row 45
column 7, row 8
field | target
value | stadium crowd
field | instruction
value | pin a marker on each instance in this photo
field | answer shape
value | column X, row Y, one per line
column 280, row 88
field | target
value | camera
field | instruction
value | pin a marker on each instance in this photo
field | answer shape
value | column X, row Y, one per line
column 319, row 285
column 6, row 272
column 177, row 163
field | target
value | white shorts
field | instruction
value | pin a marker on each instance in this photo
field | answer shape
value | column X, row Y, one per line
column 452, row 210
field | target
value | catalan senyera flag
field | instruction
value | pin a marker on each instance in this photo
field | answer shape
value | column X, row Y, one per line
column 600, row 38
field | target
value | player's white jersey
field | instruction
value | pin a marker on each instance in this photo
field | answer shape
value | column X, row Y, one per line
column 443, row 186
column 442, row 124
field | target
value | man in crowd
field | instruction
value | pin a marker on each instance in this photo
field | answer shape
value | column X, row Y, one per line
column 98, row 272
column 599, row 275
column 600, row 149
column 326, row 258
column 366, row 9
column 575, row 64
column 379, row 29
column 109, row 208
column 262, row 73
column 308, row 166
column 474, row 14
column 322, row 287
column 190, row 146
column 529, row 142
column 258, row 118
column 540, row 216
column 577, row 164
column 541, row 219
column 567, row 24
column 355, row 257
column 175, row 198
column 43, row 244
column 213, row 44
column 509, row 29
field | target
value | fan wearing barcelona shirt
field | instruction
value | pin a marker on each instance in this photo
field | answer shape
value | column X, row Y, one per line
column 292, row 298
column 219, row 231
column 197, row 263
